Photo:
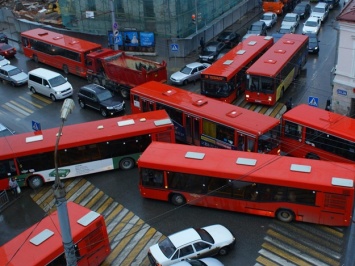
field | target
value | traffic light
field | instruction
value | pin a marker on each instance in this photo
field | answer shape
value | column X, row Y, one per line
column 193, row 17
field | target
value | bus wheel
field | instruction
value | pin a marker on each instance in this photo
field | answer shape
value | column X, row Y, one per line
column 312, row 156
column 53, row 98
column 35, row 182
column 126, row 163
column 35, row 58
column 178, row 199
column 66, row 69
column 125, row 93
column 285, row 215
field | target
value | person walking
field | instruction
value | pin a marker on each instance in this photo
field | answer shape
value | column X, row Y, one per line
column 202, row 44
column 13, row 186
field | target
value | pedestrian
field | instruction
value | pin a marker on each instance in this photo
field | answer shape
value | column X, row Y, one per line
column 202, row 44
column 289, row 105
column 13, row 185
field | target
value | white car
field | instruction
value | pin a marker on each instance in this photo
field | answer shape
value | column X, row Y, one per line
column 192, row 243
column 199, row 262
column 292, row 19
column 321, row 10
column 270, row 19
column 13, row 75
column 287, row 29
column 4, row 61
column 190, row 72
column 312, row 25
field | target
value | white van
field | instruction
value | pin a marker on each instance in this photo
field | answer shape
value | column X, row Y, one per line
column 49, row 83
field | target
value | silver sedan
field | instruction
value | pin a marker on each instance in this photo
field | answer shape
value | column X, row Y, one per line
column 189, row 73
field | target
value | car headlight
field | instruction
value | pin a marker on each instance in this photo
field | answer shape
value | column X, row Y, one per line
column 109, row 107
column 210, row 57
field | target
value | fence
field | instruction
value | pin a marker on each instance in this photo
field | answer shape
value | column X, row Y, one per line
column 4, row 199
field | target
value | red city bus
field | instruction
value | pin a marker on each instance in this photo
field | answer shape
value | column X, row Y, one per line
column 58, row 50
column 225, row 79
column 208, row 122
column 42, row 243
column 84, row 148
column 288, row 188
column 314, row 133
column 271, row 75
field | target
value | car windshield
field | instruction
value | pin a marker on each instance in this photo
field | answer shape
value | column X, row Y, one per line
column 266, row 17
column 57, row 81
column 14, row 72
column 299, row 9
column 5, row 47
column 313, row 40
column 318, row 10
column 311, row 24
column 211, row 48
column 167, row 247
column 285, row 30
column 104, row 95
column 186, row 70
column 255, row 28
column 290, row 19
column 2, row 58
column 205, row 235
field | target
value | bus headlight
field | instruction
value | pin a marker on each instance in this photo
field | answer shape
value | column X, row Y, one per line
column 246, row 95
column 270, row 98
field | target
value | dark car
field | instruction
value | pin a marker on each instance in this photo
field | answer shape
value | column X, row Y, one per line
column 101, row 99
column 229, row 38
column 5, row 131
column 211, row 51
column 3, row 38
column 258, row 28
column 7, row 50
column 313, row 43
column 303, row 9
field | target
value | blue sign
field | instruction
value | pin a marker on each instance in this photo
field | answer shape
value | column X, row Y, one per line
column 36, row 126
column 313, row 101
column 115, row 25
column 118, row 39
column 342, row 92
column 174, row 47
column 131, row 38
column 146, row 39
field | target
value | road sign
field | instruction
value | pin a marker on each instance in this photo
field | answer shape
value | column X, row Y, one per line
column 342, row 92
column 36, row 126
column 115, row 25
column 174, row 47
column 313, row 101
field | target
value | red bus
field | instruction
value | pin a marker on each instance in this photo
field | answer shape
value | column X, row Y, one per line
column 288, row 188
column 58, row 50
column 318, row 134
column 208, row 122
column 225, row 79
column 84, row 148
column 42, row 243
column 271, row 75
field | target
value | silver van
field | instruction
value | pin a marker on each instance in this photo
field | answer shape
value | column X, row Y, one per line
column 321, row 10
column 49, row 83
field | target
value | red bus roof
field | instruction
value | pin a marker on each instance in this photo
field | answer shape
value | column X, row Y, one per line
column 271, row 63
column 83, row 134
column 224, row 113
column 20, row 251
column 268, row 169
column 237, row 58
column 325, row 121
column 61, row 40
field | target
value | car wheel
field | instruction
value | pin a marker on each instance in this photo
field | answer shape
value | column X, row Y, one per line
column 82, row 104
column 53, row 98
column 178, row 199
column 127, row 163
column 35, row 58
column 223, row 251
column 33, row 90
column 285, row 215
column 185, row 82
column 13, row 84
column 103, row 112
column 66, row 69
column 35, row 182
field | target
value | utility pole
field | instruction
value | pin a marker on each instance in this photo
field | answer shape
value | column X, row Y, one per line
column 114, row 26
column 60, row 193
column 196, row 21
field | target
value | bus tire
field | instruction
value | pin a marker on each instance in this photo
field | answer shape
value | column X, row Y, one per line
column 35, row 182
column 178, row 199
column 35, row 58
column 53, row 98
column 285, row 215
column 312, row 156
column 223, row 251
column 65, row 69
column 33, row 90
column 125, row 93
column 127, row 163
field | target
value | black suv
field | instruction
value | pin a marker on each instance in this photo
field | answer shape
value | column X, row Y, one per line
column 303, row 9
column 229, row 38
column 211, row 51
column 101, row 99
column 258, row 28
column 3, row 38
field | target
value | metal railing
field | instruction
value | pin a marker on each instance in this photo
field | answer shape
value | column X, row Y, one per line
column 4, row 199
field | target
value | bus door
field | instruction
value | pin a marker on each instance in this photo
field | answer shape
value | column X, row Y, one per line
column 250, row 144
column 147, row 105
column 241, row 142
column 192, row 126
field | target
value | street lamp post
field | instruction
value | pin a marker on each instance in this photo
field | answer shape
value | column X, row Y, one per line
column 60, row 193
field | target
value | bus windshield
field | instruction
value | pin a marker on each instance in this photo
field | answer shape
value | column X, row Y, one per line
column 261, row 84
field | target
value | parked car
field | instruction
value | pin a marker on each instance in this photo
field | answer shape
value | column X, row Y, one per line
column 312, row 25
column 190, row 72
column 211, row 51
column 332, row 3
column 4, row 61
column 313, row 43
column 292, row 19
column 258, row 28
column 223, row 52
column 321, row 10
column 3, row 38
column 7, row 50
column 5, row 131
column 13, row 75
column 270, row 19
column 247, row 35
column 303, row 9
column 287, row 29
column 229, row 38
column 101, row 99
column 199, row 262
column 192, row 243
